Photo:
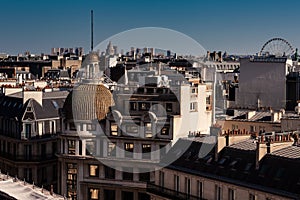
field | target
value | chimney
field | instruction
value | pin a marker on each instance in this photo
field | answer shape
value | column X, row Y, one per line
column 250, row 114
column 268, row 144
column 220, row 141
column 37, row 95
column 275, row 116
column 220, row 56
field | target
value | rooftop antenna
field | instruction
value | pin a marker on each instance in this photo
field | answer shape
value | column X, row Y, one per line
column 92, row 30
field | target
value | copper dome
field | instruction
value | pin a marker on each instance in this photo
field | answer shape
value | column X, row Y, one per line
column 88, row 102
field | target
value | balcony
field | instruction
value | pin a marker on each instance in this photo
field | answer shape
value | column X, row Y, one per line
column 168, row 193
column 24, row 158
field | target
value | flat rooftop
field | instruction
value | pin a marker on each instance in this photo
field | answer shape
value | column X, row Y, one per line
column 12, row 188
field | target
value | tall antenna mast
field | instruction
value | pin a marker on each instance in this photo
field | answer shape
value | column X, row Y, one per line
column 92, row 30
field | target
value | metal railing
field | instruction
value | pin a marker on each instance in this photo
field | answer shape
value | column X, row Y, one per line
column 168, row 193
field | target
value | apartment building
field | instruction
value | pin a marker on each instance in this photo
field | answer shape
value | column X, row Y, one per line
column 29, row 124
column 238, row 166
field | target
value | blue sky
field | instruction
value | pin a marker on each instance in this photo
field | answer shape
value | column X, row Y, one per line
column 235, row 26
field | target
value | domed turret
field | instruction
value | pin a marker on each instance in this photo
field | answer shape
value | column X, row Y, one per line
column 92, row 57
column 90, row 69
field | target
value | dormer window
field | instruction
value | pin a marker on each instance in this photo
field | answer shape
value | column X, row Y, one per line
column 29, row 109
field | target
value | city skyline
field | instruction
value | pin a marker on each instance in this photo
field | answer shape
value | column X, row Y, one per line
column 228, row 26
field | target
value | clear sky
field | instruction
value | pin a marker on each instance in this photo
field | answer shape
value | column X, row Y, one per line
column 236, row 26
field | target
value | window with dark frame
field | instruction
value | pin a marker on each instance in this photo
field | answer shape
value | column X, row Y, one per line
column 94, row 194
column 144, row 106
column 128, row 174
column 113, row 129
column 93, row 170
column 148, row 130
column 91, row 127
column 133, row 106
column 231, row 194
column 146, row 150
column 110, row 173
column 129, row 147
column 71, row 147
column 165, row 131
column 72, row 180
column 111, row 149
column 169, row 107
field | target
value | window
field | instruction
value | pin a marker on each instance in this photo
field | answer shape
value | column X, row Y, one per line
column 187, row 183
column 44, row 174
column 218, row 192
column 208, row 101
column 150, row 90
column 146, row 150
column 109, row 172
column 193, row 106
column 129, row 150
column 28, row 109
column 194, row 90
column 169, row 107
column 54, row 172
column 143, row 196
column 133, row 106
column 90, row 147
column 111, row 149
column 200, row 189
column 262, row 128
column 71, row 181
column 165, row 131
column 252, row 197
column 28, row 174
column 148, row 130
column 94, row 170
column 94, row 194
column 143, row 106
column 127, row 195
column 91, row 127
column 113, row 129
column 72, row 126
column 235, row 127
column 127, row 174
column 28, row 152
column 161, row 179
column 52, row 127
column 252, row 128
column 43, row 150
column 144, row 176
column 231, row 194
column 109, row 194
column 279, row 174
column 54, row 148
column 248, row 167
column 71, row 147
column 176, row 183
column 28, row 129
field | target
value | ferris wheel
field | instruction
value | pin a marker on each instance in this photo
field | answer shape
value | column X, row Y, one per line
column 277, row 47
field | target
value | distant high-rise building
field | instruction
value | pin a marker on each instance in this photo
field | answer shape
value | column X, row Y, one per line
column 110, row 49
column 115, row 49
